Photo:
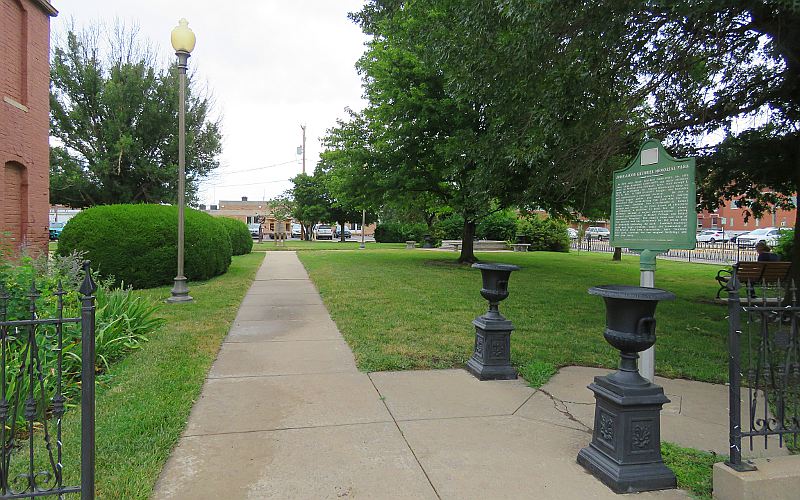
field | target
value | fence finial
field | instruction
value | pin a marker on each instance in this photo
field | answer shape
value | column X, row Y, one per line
column 88, row 286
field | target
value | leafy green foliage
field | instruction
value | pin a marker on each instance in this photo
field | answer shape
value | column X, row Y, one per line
column 116, row 120
column 241, row 239
column 137, row 244
column 450, row 227
column 398, row 232
column 785, row 245
column 544, row 233
column 309, row 201
column 123, row 321
column 500, row 225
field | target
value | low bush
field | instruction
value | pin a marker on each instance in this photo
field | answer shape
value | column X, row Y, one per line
column 450, row 227
column 785, row 245
column 137, row 244
column 122, row 322
column 544, row 233
column 241, row 239
column 497, row 226
column 397, row 232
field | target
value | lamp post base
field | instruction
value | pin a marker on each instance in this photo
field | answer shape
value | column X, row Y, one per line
column 180, row 291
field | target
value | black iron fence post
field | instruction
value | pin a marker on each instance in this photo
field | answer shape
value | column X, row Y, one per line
column 87, row 384
column 734, row 377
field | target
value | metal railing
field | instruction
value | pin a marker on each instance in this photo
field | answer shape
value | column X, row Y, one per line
column 764, row 362
column 31, row 412
column 717, row 253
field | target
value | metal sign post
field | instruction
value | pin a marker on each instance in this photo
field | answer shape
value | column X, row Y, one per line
column 653, row 209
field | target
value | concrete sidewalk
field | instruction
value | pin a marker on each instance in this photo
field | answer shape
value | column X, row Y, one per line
column 284, row 413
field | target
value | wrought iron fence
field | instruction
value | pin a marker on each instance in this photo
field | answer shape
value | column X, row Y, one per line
column 718, row 253
column 31, row 413
column 764, row 364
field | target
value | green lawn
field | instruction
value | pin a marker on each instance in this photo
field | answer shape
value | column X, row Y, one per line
column 324, row 245
column 403, row 310
column 144, row 401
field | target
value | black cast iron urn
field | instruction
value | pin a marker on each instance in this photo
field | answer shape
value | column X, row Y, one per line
column 491, row 358
column 625, row 452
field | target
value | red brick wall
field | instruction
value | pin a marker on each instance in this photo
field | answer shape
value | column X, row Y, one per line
column 24, row 124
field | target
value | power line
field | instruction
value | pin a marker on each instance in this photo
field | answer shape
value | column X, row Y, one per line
column 257, row 168
column 249, row 183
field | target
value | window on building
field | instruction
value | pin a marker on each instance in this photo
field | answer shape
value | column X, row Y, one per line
column 249, row 220
column 272, row 226
column 288, row 227
column 758, row 222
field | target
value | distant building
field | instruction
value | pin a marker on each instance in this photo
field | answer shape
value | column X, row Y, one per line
column 251, row 212
column 24, row 123
column 731, row 218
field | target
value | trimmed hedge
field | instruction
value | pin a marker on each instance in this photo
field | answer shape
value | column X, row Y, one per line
column 500, row 225
column 544, row 233
column 241, row 239
column 396, row 232
column 137, row 244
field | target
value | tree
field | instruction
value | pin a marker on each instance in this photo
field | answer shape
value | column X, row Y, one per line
column 116, row 121
column 309, row 203
column 567, row 86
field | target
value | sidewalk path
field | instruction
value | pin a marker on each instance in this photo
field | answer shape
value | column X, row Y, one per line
column 284, row 413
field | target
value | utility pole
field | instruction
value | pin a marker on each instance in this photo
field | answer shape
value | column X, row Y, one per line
column 303, row 127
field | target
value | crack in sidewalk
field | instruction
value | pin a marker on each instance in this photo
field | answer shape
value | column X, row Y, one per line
column 561, row 407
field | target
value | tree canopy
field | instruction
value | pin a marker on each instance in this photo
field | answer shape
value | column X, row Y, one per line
column 114, row 114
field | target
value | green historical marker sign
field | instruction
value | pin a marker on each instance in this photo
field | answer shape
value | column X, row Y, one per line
column 653, row 205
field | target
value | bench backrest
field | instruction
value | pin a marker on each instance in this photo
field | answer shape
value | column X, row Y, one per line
column 768, row 272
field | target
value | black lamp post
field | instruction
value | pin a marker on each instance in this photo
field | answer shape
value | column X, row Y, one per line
column 491, row 359
column 625, row 452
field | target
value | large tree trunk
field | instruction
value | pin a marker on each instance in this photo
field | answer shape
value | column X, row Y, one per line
column 617, row 253
column 341, row 232
column 467, row 248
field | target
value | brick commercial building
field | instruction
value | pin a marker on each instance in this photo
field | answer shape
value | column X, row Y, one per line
column 24, row 123
column 731, row 218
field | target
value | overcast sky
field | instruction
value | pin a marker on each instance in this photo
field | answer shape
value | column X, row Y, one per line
column 271, row 65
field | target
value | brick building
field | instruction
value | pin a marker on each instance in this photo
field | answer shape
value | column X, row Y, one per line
column 731, row 218
column 249, row 212
column 24, row 123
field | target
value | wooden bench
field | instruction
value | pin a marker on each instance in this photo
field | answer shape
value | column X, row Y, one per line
column 520, row 247
column 754, row 273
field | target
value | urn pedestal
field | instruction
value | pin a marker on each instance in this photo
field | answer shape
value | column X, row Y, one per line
column 491, row 358
column 625, row 452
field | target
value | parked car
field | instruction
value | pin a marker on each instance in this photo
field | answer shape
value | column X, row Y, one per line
column 712, row 236
column 55, row 229
column 297, row 230
column 323, row 232
column 572, row 233
column 597, row 233
column 336, row 231
column 253, row 227
column 768, row 235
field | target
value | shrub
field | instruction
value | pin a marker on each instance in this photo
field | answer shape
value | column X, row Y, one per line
column 137, row 244
column 785, row 244
column 544, row 234
column 450, row 227
column 122, row 323
column 398, row 232
column 497, row 226
column 241, row 240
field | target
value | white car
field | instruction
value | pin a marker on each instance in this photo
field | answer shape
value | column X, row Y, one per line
column 769, row 235
column 323, row 232
column 598, row 233
column 296, row 230
column 572, row 233
column 712, row 236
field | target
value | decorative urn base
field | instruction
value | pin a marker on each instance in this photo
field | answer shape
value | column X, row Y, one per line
column 491, row 359
column 625, row 452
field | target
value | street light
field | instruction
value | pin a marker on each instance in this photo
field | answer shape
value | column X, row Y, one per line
column 183, row 41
